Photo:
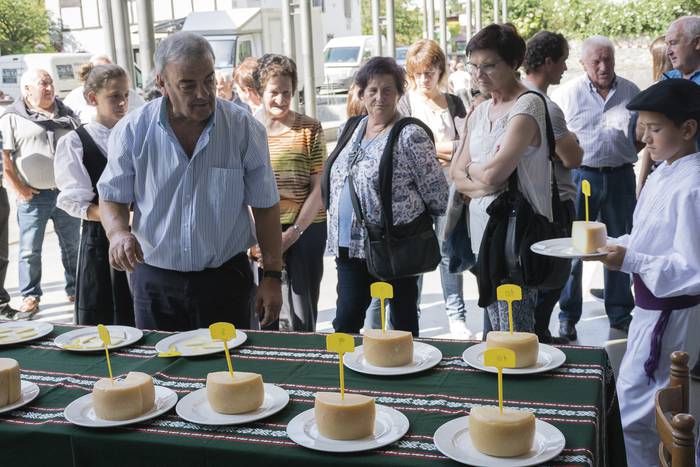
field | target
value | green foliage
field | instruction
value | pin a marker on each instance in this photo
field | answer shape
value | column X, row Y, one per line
column 24, row 24
column 408, row 20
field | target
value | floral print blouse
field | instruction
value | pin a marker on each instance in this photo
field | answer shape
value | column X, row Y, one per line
column 418, row 183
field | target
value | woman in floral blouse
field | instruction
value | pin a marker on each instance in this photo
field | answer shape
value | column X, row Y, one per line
column 418, row 185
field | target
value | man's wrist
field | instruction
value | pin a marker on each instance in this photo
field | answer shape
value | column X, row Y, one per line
column 272, row 274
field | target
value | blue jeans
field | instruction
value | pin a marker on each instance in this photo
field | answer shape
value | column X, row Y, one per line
column 354, row 297
column 612, row 202
column 32, row 216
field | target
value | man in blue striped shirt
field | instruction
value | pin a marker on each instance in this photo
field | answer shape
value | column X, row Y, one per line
column 595, row 107
column 191, row 165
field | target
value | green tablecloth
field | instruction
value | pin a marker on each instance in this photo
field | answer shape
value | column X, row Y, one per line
column 578, row 398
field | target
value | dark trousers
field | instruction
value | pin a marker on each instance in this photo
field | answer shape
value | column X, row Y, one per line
column 354, row 297
column 301, row 280
column 612, row 202
column 4, row 243
column 102, row 293
column 546, row 299
column 181, row 301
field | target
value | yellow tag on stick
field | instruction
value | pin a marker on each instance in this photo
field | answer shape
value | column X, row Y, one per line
column 586, row 190
column 509, row 293
column 103, row 332
column 224, row 332
column 340, row 343
column 500, row 358
column 382, row 291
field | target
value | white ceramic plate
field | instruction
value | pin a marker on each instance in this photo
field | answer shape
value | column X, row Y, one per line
column 184, row 342
column 195, row 408
column 390, row 425
column 29, row 393
column 425, row 356
column 87, row 339
column 452, row 439
column 561, row 248
column 23, row 331
column 548, row 358
column 81, row 412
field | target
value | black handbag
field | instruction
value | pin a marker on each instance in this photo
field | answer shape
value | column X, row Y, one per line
column 396, row 251
column 523, row 227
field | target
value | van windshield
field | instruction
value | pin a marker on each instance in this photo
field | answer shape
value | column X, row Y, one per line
column 223, row 52
column 342, row 55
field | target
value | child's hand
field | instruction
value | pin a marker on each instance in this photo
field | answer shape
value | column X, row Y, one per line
column 614, row 258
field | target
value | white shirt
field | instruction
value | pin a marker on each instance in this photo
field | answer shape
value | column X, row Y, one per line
column 604, row 127
column 86, row 112
column 663, row 247
column 72, row 178
column 459, row 80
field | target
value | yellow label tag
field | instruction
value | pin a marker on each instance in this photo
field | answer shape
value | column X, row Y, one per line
column 509, row 293
column 382, row 291
column 103, row 332
column 339, row 342
column 222, row 331
column 499, row 357
column 586, row 190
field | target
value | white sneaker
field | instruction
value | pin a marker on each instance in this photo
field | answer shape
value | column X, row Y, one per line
column 459, row 329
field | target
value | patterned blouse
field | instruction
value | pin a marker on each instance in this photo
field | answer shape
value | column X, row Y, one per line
column 418, row 183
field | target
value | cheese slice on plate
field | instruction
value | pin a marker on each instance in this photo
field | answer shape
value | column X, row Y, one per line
column 123, row 399
column 244, row 392
column 387, row 349
column 507, row 434
column 526, row 345
column 587, row 237
column 10, row 385
column 344, row 419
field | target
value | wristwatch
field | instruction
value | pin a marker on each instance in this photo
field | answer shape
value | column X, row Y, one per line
column 273, row 274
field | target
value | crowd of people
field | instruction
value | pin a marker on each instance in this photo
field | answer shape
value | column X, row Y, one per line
column 216, row 201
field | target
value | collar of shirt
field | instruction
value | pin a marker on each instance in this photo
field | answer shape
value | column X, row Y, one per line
column 592, row 87
column 694, row 77
column 164, row 123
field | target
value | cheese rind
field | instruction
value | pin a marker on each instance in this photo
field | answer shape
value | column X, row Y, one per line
column 389, row 349
column 525, row 345
column 10, row 384
column 587, row 237
column 509, row 434
column 124, row 399
column 244, row 392
column 344, row 419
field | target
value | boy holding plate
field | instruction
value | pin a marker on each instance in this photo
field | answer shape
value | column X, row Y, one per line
column 663, row 254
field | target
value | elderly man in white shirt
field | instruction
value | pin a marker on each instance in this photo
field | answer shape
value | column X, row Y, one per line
column 595, row 109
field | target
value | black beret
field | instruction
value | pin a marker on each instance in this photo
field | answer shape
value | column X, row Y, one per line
column 674, row 97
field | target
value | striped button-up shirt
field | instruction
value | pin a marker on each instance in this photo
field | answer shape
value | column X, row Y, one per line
column 190, row 213
column 604, row 127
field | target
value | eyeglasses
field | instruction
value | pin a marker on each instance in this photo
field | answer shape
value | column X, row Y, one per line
column 487, row 68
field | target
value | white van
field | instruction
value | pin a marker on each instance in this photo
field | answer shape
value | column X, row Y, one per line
column 343, row 57
column 63, row 68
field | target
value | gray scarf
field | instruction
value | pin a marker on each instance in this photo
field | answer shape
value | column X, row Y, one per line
column 64, row 118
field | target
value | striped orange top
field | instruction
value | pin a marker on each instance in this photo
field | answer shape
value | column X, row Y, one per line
column 295, row 156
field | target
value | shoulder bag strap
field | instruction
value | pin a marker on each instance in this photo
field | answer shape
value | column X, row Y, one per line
column 343, row 139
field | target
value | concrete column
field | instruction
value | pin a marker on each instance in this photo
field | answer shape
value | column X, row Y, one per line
column 108, row 28
column 495, row 11
column 122, row 37
column 376, row 28
column 468, row 12
column 504, row 11
column 431, row 19
column 288, row 42
column 478, row 15
column 147, row 39
column 390, row 29
column 307, row 54
column 425, row 19
column 442, row 9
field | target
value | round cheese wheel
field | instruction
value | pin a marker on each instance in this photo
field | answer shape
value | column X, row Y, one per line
column 387, row 349
column 10, row 384
column 526, row 345
column 244, row 392
column 507, row 434
column 587, row 237
column 124, row 399
column 344, row 419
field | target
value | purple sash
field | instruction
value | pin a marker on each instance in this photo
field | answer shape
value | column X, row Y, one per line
column 643, row 298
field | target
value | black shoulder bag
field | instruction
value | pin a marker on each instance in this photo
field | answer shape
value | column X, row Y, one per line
column 395, row 251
